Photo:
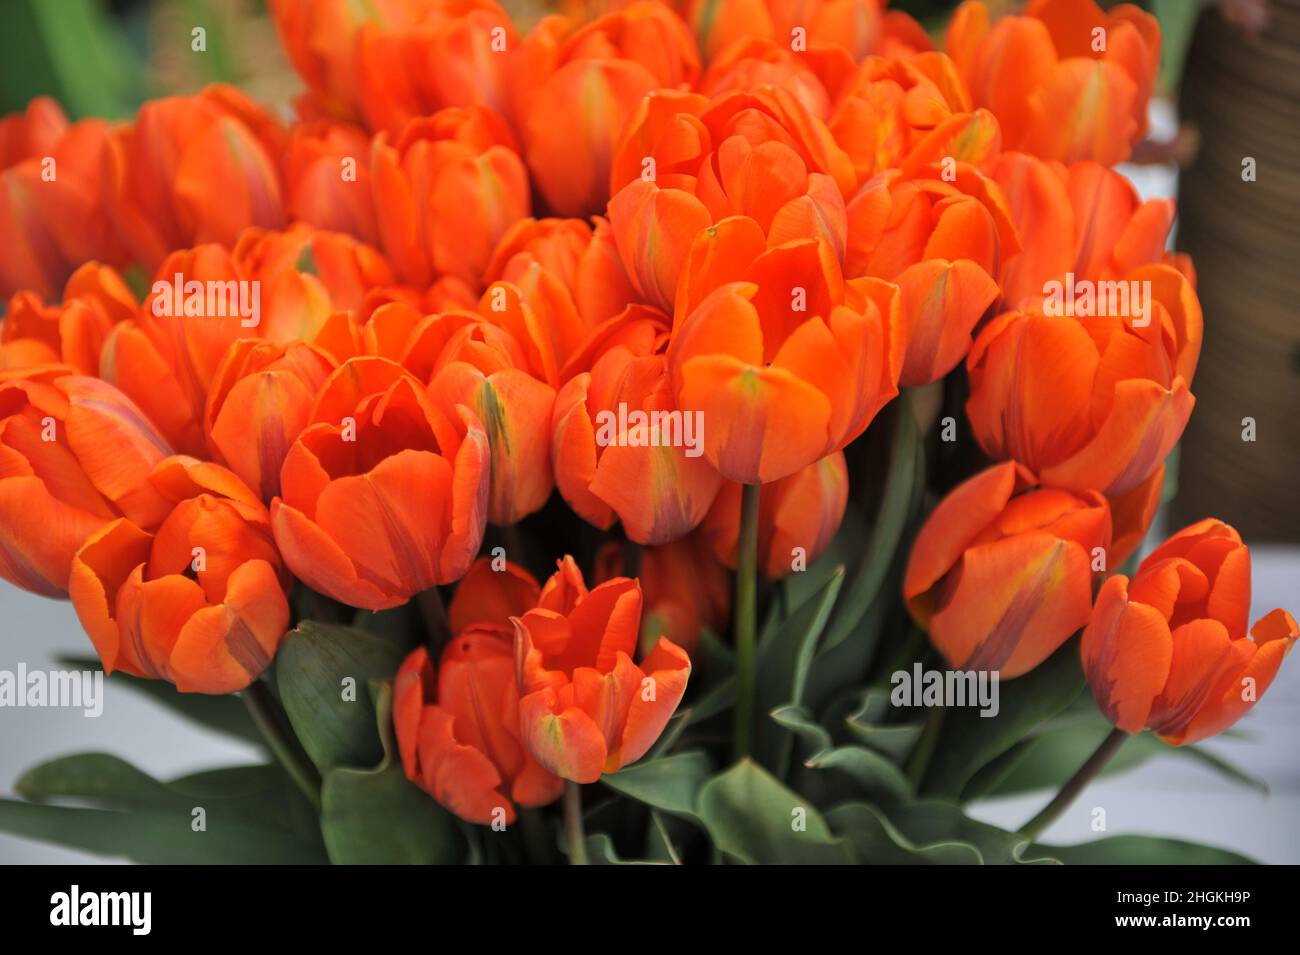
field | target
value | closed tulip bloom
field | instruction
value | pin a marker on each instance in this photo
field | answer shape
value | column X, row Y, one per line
column 1091, row 402
column 942, row 243
column 458, row 730
column 72, row 333
column 568, row 272
column 1001, row 575
column 782, row 382
column 1065, row 80
column 798, row 517
column 489, row 594
column 53, row 209
column 306, row 275
column 383, row 496
column 625, row 450
column 904, row 113
column 165, row 358
column 321, row 41
column 260, row 401
column 192, row 170
column 75, row 453
column 483, row 369
column 445, row 191
column 1168, row 650
column 327, row 178
column 1083, row 219
column 853, row 26
column 685, row 164
column 198, row 601
column 586, row 708
column 605, row 68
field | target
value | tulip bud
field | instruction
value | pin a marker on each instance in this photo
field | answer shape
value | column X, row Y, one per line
column 1168, row 650
column 75, row 454
column 1001, row 575
column 199, row 601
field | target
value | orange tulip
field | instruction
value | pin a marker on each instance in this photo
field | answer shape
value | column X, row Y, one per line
column 593, row 80
column 1066, row 81
column 568, row 272
column 192, row 170
column 327, row 178
column 379, row 61
column 482, row 368
column 1168, row 650
column 815, row 77
column 75, row 453
column 445, row 191
column 685, row 164
column 260, row 401
column 1094, row 402
column 782, row 382
column 798, row 517
column 687, row 590
column 1000, row 575
column 306, row 274
column 855, row 27
column 1083, row 219
column 905, row 113
column 458, row 732
column 383, row 495
column 53, row 214
column 487, row 597
column 71, row 334
column 164, row 359
column 200, row 600
column 624, row 449
column 586, row 708
column 942, row 243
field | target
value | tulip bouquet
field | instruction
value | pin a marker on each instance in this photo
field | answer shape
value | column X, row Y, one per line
column 708, row 431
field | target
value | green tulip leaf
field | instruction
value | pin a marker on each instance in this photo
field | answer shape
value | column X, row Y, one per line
column 753, row 819
column 322, row 671
column 671, row 783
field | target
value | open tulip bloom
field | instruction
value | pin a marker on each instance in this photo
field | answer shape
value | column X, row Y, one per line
column 612, row 436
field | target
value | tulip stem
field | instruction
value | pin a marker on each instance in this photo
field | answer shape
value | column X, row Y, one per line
column 573, row 834
column 1078, row 782
column 918, row 761
column 746, row 615
column 273, row 724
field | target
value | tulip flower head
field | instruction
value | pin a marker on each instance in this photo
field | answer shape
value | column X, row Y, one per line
column 1168, row 650
column 586, row 708
column 1001, row 573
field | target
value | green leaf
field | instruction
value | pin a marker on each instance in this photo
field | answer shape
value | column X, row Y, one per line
column 875, row 841
column 753, row 819
column 249, row 813
column 379, row 817
column 600, row 851
column 155, row 837
column 932, row 822
column 969, row 741
column 1143, row 850
column 782, row 670
column 869, row 592
column 893, row 740
column 311, row 667
column 671, row 783
column 874, row 775
column 225, row 714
